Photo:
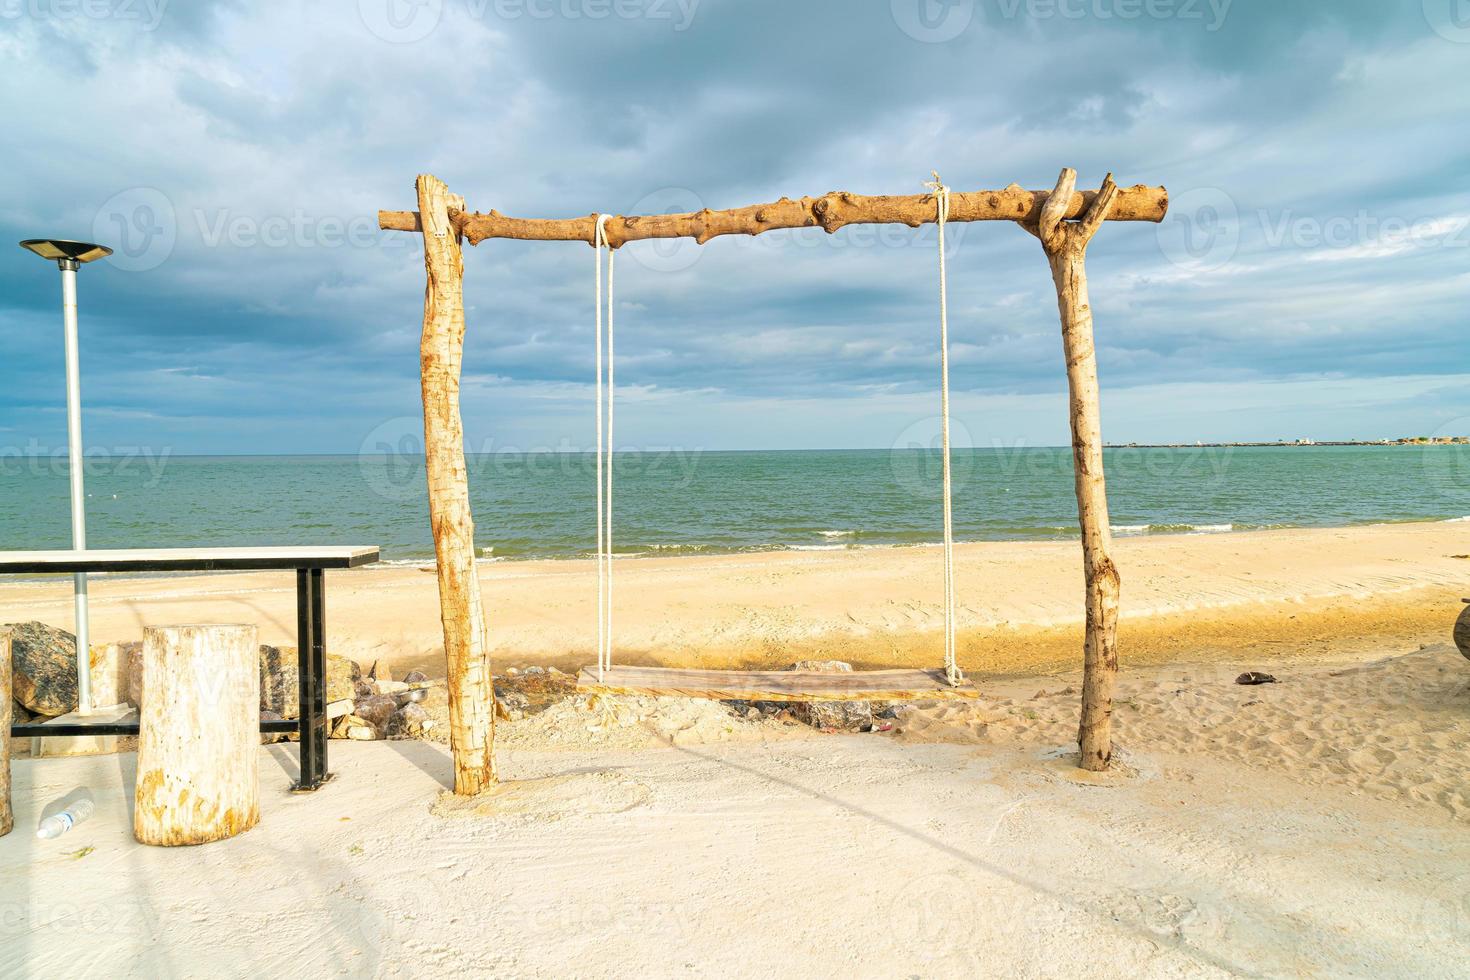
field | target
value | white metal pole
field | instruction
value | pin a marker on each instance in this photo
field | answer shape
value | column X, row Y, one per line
column 78, row 495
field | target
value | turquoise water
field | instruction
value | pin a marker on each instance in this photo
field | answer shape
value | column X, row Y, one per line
column 541, row 505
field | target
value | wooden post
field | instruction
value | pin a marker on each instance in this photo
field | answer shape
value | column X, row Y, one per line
column 7, row 710
column 1065, row 243
column 199, row 735
column 466, row 640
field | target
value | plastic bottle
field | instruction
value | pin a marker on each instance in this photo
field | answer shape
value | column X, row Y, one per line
column 59, row 823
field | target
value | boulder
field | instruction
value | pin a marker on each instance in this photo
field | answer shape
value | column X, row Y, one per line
column 842, row 716
column 18, row 714
column 43, row 662
column 279, row 691
column 377, row 710
column 415, row 676
column 410, row 721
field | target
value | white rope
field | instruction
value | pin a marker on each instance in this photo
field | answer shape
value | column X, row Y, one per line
column 951, row 665
column 604, row 448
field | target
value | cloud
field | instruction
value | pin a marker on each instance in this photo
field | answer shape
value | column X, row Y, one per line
column 273, row 316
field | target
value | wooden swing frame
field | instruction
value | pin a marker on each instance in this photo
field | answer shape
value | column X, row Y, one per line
column 1064, row 220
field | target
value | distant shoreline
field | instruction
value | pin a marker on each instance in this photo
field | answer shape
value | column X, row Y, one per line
column 1299, row 444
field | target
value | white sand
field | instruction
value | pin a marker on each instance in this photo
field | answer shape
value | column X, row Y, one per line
column 1317, row 827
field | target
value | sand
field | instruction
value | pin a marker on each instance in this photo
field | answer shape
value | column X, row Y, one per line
column 1321, row 831
column 1308, row 591
column 1312, row 827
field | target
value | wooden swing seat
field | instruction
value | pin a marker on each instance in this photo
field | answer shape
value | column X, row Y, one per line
column 776, row 685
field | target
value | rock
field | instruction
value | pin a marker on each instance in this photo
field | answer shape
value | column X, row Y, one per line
column 1252, row 677
column 392, row 687
column 1462, row 632
column 842, row 716
column 377, row 710
column 380, row 672
column 44, row 668
column 363, row 733
column 279, row 691
column 364, row 688
column 18, row 714
column 415, row 676
column 410, row 721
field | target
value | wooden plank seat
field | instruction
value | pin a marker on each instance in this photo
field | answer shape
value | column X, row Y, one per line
column 776, row 685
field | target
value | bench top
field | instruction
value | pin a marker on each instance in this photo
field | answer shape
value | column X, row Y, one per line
column 185, row 559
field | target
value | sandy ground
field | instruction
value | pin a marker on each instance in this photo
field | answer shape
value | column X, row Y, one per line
column 1312, row 827
column 1191, row 596
column 1316, row 827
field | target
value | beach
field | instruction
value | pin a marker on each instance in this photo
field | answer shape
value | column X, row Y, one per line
column 1310, row 827
column 1277, row 594
column 1314, row 827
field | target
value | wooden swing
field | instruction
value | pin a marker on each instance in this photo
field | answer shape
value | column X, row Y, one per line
column 759, row 685
column 1063, row 220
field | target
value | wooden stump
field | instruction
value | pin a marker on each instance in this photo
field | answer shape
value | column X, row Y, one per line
column 7, row 818
column 199, row 735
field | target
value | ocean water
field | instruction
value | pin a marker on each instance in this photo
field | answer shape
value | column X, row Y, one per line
column 671, row 503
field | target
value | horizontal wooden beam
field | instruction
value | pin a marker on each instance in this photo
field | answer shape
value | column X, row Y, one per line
column 828, row 212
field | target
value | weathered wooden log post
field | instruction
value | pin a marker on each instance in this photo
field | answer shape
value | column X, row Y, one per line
column 1065, row 243
column 7, row 817
column 198, row 735
column 466, row 640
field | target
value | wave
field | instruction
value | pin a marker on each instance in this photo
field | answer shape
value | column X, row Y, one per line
column 1127, row 530
column 838, row 534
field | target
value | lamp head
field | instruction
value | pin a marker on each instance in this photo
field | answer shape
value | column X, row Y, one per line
column 66, row 253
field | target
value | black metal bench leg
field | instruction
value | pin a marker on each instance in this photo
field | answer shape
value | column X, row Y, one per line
column 312, row 676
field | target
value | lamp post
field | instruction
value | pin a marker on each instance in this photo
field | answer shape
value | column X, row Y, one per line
column 70, row 256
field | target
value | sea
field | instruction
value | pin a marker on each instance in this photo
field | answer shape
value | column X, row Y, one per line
column 673, row 502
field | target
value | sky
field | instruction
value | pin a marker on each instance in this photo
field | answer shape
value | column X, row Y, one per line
column 1310, row 281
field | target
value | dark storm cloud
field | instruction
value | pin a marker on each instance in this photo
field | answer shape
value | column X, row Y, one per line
column 237, row 155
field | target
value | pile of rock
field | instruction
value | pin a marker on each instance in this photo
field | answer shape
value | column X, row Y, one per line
column 385, row 708
column 828, row 716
